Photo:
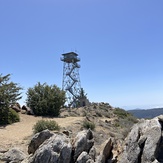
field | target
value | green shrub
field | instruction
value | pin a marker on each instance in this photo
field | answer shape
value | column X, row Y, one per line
column 126, row 118
column 121, row 113
column 103, row 108
column 88, row 125
column 45, row 100
column 8, row 116
column 45, row 124
column 13, row 116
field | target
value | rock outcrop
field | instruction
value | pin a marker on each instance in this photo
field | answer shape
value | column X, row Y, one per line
column 83, row 142
column 144, row 142
column 105, row 153
column 47, row 147
column 28, row 110
column 16, row 107
column 37, row 140
column 92, row 153
column 84, row 157
column 57, row 149
column 13, row 155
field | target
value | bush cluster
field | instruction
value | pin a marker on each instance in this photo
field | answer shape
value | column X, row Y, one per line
column 45, row 100
column 88, row 125
column 125, row 115
column 121, row 113
column 13, row 116
column 45, row 124
column 8, row 116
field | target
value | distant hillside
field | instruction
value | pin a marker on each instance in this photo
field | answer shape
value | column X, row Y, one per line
column 146, row 113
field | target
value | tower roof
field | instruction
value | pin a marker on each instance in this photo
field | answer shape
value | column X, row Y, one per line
column 70, row 57
column 70, row 54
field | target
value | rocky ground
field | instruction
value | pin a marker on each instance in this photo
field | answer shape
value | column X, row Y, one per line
column 19, row 134
column 108, row 124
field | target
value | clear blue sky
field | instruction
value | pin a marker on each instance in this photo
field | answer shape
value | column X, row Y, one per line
column 120, row 43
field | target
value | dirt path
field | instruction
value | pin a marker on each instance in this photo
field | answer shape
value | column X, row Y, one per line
column 18, row 133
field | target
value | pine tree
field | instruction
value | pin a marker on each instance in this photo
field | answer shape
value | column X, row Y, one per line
column 82, row 94
column 9, row 94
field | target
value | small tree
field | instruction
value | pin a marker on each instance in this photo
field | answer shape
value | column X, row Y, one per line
column 45, row 100
column 81, row 97
column 9, row 94
column 82, row 94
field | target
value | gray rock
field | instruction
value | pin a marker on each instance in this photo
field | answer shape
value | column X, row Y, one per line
column 27, row 159
column 28, row 110
column 142, row 143
column 1, row 154
column 83, row 142
column 13, row 155
column 131, row 148
column 16, row 107
column 56, row 149
column 98, row 159
column 84, row 158
column 92, row 153
column 37, row 140
column 3, row 149
column 160, row 150
column 105, row 151
column 160, row 118
column 152, row 132
column 155, row 161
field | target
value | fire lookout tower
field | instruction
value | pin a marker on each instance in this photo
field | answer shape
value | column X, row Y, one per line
column 71, row 80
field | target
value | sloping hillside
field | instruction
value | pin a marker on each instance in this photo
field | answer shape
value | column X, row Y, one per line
column 109, row 121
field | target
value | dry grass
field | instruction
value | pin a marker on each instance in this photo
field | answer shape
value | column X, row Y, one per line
column 18, row 133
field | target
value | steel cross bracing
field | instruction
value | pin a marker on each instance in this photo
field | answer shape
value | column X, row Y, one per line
column 71, row 79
